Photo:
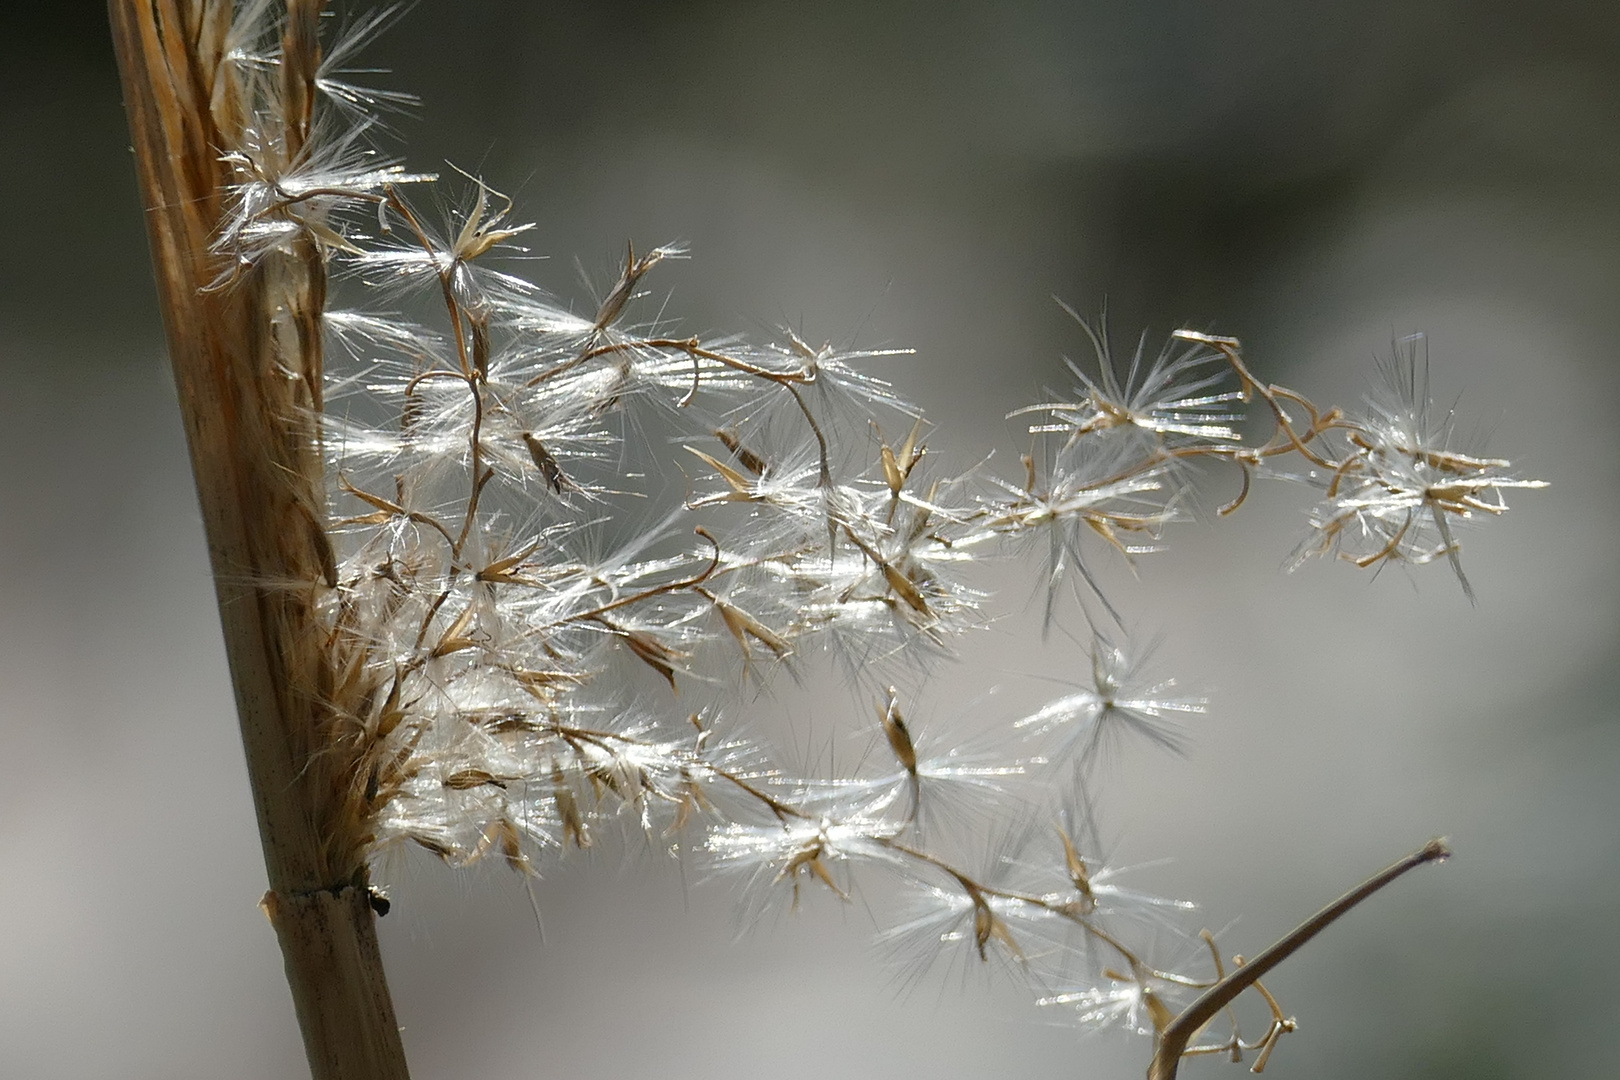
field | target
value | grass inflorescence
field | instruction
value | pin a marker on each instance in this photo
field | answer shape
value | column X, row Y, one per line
column 475, row 607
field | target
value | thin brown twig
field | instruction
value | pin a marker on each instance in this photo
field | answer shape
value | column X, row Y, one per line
column 1172, row 1042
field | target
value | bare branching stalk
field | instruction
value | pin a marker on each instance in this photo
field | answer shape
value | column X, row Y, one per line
column 247, row 364
column 1172, row 1043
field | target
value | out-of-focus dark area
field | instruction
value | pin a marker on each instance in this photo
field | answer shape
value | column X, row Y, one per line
column 1315, row 179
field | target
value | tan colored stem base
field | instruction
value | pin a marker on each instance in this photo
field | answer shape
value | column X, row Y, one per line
column 329, row 943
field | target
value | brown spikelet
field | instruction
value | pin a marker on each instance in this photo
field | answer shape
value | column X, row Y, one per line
column 550, row 471
column 654, row 653
column 568, row 808
column 745, row 457
column 741, row 487
column 894, row 729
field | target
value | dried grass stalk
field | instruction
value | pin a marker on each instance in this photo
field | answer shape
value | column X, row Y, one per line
column 247, row 364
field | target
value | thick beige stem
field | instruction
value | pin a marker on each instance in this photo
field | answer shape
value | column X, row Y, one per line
column 248, row 372
column 329, row 942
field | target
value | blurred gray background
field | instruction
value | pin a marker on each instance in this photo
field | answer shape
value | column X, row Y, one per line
column 1315, row 178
